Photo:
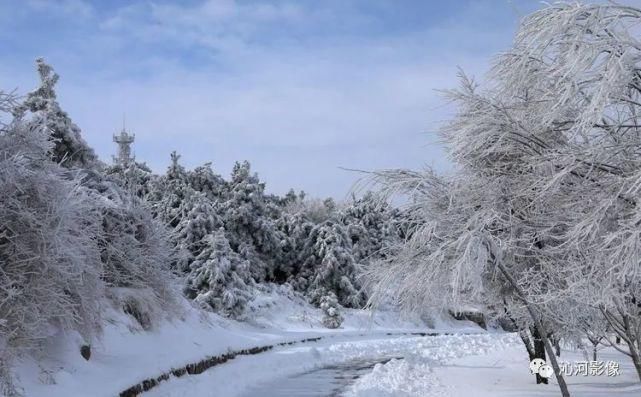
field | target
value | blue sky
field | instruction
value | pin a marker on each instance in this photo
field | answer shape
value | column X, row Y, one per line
column 298, row 88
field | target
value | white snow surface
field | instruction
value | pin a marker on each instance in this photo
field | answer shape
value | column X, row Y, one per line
column 126, row 354
column 466, row 362
column 485, row 365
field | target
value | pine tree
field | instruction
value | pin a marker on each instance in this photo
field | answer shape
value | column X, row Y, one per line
column 219, row 279
column 170, row 195
column 136, row 178
column 330, row 267
column 249, row 222
column 295, row 230
column 191, row 234
column 203, row 179
column 370, row 226
column 69, row 147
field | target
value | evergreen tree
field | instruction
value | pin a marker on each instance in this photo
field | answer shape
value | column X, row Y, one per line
column 69, row 149
column 330, row 267
column 370, row 226
column 329, row 305
column 219, row 279
column 194, row 228
column 203, row 179
column 250, row 228
column 136, row 178
column 170, row 195
column 294, row 230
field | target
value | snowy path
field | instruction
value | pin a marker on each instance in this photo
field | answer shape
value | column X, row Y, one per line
column 329, row 381
column 362, row 366
column 316, row 368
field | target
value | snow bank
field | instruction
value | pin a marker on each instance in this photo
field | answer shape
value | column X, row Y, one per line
column 413, row 376
column 398, row 378
column 484, row 365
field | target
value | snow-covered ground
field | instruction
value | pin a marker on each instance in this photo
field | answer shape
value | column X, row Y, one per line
column 485, row 365
column 126, row 354
column 470, row 362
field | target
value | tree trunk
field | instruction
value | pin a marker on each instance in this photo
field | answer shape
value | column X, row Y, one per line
column 636, row 359
column 557, row 344
column 528, row 343
column 623, row 329
column 555, row 364
column 539, row 352
column 539, row 324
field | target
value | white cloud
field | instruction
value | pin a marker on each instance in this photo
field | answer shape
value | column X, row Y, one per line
column 298, row 107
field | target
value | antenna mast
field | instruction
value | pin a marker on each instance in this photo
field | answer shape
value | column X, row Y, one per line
column 124, row 141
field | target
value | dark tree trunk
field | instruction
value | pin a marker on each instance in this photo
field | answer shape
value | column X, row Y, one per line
column 539, row 351
column 529, row 346
column 556, row 343
column 563, row 386
column 626, row 331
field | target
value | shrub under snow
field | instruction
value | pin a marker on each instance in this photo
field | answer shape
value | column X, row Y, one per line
column 330, row 307
column 67, row 234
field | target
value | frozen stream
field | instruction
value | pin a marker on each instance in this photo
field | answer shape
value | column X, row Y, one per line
column 328, row 381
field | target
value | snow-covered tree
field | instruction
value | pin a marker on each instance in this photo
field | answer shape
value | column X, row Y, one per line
column 69, row 148
column 249, row 223
column 135, row 178
column 51, row 266
column 191, row 234
column 371, row 226
column 219, row 279
column 294, row 229
column 134, row 248
column 203, row 179
column 70, row 237
column 544, row 196
column 329, row 266
column 578, row 67
column 170, row 195
column 329, row 305
column 313, row 210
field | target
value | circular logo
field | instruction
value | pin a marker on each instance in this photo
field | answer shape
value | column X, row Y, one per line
column 536, row 364
column 545, row 371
